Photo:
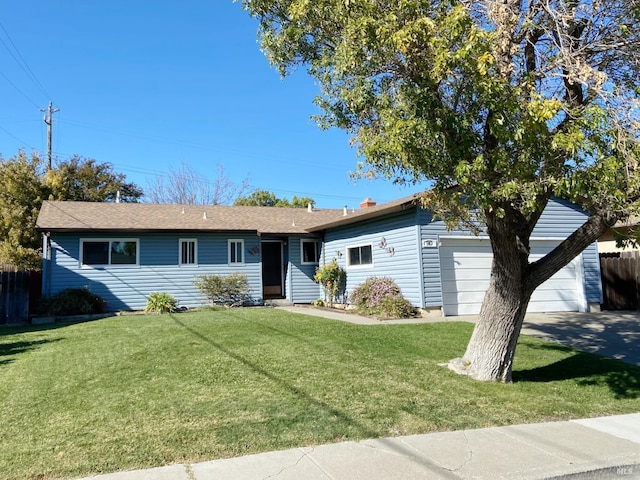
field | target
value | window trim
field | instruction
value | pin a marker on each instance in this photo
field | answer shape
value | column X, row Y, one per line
column 359, row 265
column 230, row 243
column 182, row 241
column 109, row 240
column 317, row 251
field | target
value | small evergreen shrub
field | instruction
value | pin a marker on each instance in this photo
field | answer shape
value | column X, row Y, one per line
column 72, row 301
column 381, row 296
column 230, row 290
column 161, row 302
column 333, row 279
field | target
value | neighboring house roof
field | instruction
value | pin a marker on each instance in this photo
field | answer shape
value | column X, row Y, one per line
column 632, row 221
column 65, row 216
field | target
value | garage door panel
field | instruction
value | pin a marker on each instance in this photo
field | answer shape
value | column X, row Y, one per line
column 568, row 272
column 466, row 270
column 461, row 309
column 469, row 243
column 467, row 297
column 557, row 285
column 465, row 262
column 550, row 295
column 467, row 275
column 453, row 286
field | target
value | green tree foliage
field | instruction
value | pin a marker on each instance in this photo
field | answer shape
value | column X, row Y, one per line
column 501, row 105
column 21, row 195
column 24, row 184
column 85, row 180
column 265, row 198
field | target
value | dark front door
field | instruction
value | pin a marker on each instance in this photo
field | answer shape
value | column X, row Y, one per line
column 272, row 269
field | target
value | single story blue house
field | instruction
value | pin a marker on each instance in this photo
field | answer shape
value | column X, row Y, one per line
column 125, row 251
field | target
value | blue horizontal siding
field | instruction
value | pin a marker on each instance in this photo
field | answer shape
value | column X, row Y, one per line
column 393, row 257
column 302, row 288
column 127, row 288
column 397, row 250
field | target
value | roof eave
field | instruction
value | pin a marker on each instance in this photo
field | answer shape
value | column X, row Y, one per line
column 140, row 230
column 360, row 216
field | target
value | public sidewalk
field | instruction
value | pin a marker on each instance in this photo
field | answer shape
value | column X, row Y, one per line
column 607, row 447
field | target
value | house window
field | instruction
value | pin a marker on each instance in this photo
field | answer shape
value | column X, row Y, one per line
column 236, row 249
column 188, row 251
column 360, row 255
column 109, row 252
column 310, row 251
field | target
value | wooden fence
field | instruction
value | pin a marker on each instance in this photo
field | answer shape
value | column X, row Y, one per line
column 620, row 273
column 19, row 294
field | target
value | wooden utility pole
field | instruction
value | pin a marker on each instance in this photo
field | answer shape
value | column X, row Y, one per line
column 48, row 120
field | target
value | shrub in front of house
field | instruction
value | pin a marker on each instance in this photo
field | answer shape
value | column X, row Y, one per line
column 161, row 302
column 72, row 301
column 382, row 297
column 228, row 290
column 333, row 280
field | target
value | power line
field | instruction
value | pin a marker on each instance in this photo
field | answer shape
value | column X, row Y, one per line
column 22, row 62
column 13, row 136
column 291, row 158
column 18, row 89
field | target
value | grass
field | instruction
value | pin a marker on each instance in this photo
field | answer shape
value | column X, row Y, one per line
column 138, row 391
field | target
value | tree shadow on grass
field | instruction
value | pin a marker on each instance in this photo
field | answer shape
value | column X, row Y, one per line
column 361, row 428
column 9, row 349
column 587, row 369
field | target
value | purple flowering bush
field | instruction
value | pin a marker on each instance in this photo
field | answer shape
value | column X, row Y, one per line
column 382, row 297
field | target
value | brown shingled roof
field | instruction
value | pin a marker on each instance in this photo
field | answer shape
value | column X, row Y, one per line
column 410, row 201
column 57, row 216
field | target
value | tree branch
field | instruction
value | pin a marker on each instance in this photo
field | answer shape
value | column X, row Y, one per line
column 542, row 270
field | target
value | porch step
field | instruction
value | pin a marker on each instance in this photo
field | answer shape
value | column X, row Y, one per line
column 277, row 302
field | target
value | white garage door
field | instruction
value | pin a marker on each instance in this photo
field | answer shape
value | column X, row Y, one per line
column 465, row 266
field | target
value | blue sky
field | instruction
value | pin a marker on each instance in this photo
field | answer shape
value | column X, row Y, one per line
column 147, row 86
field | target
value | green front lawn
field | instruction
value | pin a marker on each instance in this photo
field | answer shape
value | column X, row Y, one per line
column 138, row 391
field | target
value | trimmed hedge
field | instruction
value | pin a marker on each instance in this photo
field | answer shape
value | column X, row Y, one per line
column 72, row 301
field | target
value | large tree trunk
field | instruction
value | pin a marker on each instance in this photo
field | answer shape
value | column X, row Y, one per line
column 491, row 349
column 490, row 352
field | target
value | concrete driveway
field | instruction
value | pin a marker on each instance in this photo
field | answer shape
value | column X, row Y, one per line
column 613, row 334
